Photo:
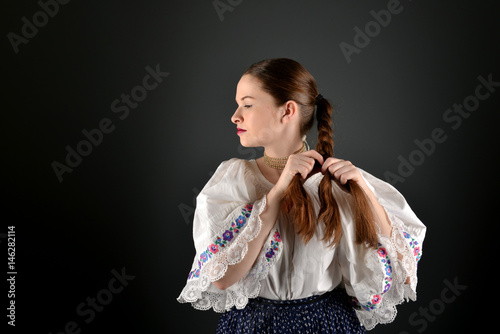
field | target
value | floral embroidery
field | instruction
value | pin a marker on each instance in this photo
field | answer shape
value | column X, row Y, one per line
column 204, row 257
column 194, row 273
column 382, row 252
column 270, row 254
column 388, row 272
column 415, row 245
column 275, row 243
column 416, row 252
column 213, row 248
column 228, row 235
column 221, row 242
column 240, row 221
column 375, row 299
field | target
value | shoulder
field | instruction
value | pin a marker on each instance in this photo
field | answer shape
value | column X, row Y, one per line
column 232, row 167
column 233, row 171
column 234, row 163
column 233, row 181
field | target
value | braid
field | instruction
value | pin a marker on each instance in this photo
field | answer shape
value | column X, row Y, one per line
column 329, row 211
column 325, row 133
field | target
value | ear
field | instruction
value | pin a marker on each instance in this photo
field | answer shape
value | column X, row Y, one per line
column 290, row 112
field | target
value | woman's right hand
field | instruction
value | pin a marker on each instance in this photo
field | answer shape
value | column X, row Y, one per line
column 300, row 163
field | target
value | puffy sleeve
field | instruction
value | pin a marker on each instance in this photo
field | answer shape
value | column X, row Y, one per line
column 226, row 218
column 375, row 278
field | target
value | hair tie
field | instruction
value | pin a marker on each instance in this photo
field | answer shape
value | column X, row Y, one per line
column 318, row 98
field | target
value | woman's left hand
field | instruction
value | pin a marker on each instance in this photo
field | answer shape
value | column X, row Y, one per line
column 342, row 171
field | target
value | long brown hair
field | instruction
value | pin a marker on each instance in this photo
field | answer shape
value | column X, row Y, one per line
column 287, row 80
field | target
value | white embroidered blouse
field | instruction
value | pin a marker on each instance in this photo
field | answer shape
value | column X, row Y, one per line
column 227, row 218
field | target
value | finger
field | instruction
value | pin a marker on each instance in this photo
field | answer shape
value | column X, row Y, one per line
column 336, row 166
column 328, row 162
column 302, row 159
column 306, row 161
column 347, row 176
column 305, row 167
column 338, row 169
column 313, row 154
column 305, row 164
column 343, row 173
column 335, row 159
column 299, row 165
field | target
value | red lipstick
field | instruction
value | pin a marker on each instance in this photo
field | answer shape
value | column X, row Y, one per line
column 240, row 131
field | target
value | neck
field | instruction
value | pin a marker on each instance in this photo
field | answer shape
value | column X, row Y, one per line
column 283, row 149
column 280, row 162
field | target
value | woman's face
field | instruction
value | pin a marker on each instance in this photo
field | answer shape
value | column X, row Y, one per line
column 257, row 118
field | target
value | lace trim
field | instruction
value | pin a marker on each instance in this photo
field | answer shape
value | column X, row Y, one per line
column 380, row 308
column 203, row 295
column 222, row 240
column 376, row 298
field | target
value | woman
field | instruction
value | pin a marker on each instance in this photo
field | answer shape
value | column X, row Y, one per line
column 297, row 240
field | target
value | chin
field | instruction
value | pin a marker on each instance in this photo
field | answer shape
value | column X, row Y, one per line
column 246, row 143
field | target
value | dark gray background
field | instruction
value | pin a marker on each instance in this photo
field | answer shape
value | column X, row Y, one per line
column 129, row 203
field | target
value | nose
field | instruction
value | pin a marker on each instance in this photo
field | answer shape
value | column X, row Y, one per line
column 236, row 118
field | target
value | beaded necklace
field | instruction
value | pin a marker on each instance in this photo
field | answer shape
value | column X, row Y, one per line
column 279, row 163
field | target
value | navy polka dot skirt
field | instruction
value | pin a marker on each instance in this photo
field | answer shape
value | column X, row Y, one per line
column 328, row 313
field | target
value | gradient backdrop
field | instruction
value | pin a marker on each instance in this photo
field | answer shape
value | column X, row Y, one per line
column 104, row 238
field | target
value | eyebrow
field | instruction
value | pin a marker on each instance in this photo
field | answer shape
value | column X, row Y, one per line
column 247, row 97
